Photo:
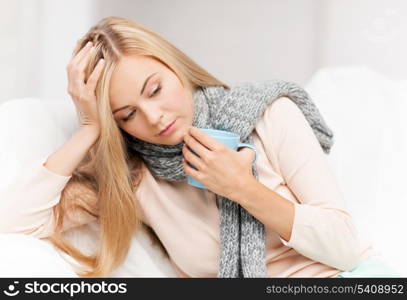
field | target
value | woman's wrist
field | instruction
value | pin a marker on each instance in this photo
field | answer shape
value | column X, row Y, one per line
column 92, row 130
column 243, row 190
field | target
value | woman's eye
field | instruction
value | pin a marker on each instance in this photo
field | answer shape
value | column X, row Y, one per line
column 156, row 91
column 129, row 116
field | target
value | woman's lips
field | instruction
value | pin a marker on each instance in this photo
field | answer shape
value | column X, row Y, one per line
column 168, row 130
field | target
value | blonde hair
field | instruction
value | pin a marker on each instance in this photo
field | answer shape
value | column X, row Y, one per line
column 104, row 184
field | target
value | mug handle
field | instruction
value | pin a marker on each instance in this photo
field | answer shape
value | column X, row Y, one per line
column 241, row 145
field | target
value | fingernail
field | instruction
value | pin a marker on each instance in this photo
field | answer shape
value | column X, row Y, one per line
column 88, row 44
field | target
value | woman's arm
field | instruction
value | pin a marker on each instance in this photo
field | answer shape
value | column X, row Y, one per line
column 267, row 206
column 26, row 206
column 319, row 227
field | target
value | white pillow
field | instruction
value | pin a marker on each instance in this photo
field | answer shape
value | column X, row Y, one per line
column 351, row 108
column 366, row 112
column 26, row 256
column 391, row 192
column 27, row 132
column 143, row 259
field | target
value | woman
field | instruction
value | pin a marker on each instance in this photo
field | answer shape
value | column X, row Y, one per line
column 144, row 92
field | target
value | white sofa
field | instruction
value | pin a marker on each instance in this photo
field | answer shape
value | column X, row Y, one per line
column 364, row 109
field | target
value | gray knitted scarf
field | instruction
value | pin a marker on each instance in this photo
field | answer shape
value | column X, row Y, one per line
column 242, row 237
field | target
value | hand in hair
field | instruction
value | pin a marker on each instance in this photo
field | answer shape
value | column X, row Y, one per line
column 82, row 91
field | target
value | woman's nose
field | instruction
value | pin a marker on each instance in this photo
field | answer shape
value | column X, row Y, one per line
column 152, row 114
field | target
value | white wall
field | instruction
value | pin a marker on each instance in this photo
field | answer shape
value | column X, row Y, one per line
column 19, row 52
column 367, row 32
column 236, row 40
column 63, row 23
column 37, row 38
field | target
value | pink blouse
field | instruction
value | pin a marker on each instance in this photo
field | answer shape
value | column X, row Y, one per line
column 324, row 240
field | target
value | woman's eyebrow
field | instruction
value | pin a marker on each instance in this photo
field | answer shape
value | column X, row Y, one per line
column 141, row 92
column 145, row 82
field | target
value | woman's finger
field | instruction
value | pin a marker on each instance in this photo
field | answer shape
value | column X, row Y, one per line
column 190, row 170
column 204, row 139
column 192, row 158
column 75, row 59
column 197, row 147
column 94, row 77
column 75, row 74
column 81, row 66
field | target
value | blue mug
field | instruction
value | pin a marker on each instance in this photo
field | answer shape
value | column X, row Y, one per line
column 229, row 139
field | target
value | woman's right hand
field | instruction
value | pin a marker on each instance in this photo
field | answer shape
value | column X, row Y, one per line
column 83, row 93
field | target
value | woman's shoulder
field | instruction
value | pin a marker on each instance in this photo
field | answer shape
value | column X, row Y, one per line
column 275, row 118
column 282, row 108
column 283, row 125
column 282, row 114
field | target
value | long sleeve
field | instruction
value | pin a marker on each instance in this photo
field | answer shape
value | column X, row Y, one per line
column 26, row 206
column 323, row 229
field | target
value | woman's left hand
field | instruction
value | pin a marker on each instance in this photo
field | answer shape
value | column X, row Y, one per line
column 221, row 169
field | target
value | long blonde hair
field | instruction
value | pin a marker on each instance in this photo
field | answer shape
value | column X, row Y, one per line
column 104, row 183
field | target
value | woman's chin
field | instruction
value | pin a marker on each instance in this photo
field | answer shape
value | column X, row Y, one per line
column 175, row 140
column 176, row 137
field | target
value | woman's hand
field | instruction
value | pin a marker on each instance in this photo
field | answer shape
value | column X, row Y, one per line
column 221, row 169
column 83, row 93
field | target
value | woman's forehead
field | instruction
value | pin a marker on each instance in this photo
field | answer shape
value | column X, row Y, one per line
column 129, row 76
column 135, row 66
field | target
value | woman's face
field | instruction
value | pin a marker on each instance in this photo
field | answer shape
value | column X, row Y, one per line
column 146, row 97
